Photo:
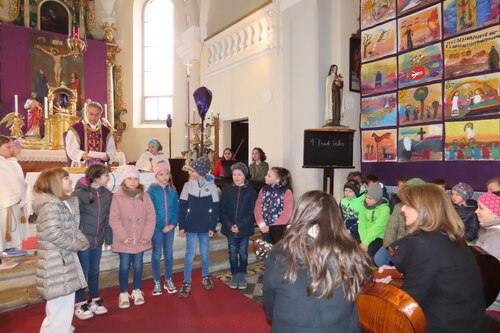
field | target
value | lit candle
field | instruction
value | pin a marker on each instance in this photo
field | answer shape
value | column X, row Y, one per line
column 106, row 111
column 76, row 33
column 16, row 110
column 46, row 107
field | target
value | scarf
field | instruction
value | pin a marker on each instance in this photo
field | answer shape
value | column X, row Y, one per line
column 273, row 199
column 132, row 192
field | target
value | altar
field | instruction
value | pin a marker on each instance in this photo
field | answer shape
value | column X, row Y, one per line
column 115, row 180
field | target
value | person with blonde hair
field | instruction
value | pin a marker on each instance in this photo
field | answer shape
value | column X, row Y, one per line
column 439, row 269
column 315, row 273
column 58, row 274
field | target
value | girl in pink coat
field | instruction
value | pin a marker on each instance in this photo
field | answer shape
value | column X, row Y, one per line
column 132, row 219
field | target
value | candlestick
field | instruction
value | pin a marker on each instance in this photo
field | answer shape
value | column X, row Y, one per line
column 46, row 107
column 16, row 110
column 194, row 114
column 106, row 111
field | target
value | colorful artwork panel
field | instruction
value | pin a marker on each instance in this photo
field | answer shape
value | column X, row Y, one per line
column 379, row 146
column 472, row 53
column 379, row 76
column 472, row 96
column 421, row 104
column 472, row 140
column 379, row 41
column 460, row 16
column 379, row 111
column 407, row 6
column 376, row 11
column 420, row 143
column 420, row 29
column 422, row 65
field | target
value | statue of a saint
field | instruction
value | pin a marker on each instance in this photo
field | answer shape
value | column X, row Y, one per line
column 34, row 107
column 333, row 104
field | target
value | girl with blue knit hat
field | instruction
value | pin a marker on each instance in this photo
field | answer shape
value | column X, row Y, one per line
column 198, row 216
column 152, row 156
column 461, row 195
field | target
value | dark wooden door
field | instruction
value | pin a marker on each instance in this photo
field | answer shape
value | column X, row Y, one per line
column 239, row 138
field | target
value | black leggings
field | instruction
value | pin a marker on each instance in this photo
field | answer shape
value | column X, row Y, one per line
column 375, row 246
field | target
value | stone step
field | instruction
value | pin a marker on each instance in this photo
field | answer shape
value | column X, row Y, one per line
column 18, row 289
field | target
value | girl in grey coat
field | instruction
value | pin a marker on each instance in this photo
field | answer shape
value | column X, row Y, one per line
column 58, row 273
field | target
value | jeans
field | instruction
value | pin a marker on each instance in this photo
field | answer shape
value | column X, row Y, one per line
column 191, row 252
column 125, row 260
column 162, row 243
column 238, row 247
column 90, row 260
column 382, row 257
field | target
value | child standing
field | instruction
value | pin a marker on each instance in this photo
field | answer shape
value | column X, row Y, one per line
column 274, row 205
column 237, row 204
column 13, row 226
column 58, row 273
column 95, row 201
column 166, row 203
column 373, row 217
column 349, row 207
column 198, row 215
column 132, row 219
column 460, row 195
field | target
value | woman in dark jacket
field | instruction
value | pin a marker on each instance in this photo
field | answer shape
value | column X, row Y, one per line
column 314, row 275
column 439, row 270
column 236, row 215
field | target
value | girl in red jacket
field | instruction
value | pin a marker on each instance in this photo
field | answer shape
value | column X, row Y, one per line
column 132, row 219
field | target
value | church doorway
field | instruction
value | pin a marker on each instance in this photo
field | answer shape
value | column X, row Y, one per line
column 239, row 139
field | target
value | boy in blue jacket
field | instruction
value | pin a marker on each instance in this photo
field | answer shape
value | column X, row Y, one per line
column 236, row 214
column 198, row 215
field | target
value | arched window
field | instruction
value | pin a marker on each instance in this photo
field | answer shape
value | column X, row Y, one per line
column 158, row 59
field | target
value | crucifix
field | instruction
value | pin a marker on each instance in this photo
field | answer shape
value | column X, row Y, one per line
column 421, row 133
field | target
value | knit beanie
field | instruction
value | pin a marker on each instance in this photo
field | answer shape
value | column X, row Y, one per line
column 415, row 181
column 353, row 185
column 155, row 143
column 492, row 201
column 160, row 166
column 130, row 171
column 240, row 166
column 375, row 192
column 201, row 165
column 464, row 190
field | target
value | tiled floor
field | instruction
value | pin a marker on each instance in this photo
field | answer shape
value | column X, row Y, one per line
column 254, row 278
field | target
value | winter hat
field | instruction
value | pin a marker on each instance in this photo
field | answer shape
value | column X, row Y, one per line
column 375, row 192
column 464, row 190
column 492, row 201
column 415, row 181
column 160, row 166
column 130, row 171
column 201, row 165
column 353, row 185
column 240, row 166
column 155, row 143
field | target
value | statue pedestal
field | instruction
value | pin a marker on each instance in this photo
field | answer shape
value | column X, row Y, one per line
column 60, row 122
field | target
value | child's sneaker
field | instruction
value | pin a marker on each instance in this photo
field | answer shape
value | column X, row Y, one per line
column 207, row 282
column 157, row 288
column 242, row 282
column 123, row 300
column 97, row 306
column 233, row 283
column 82, row 311
column 170, row 286
column 137, row 296
column 185, row 289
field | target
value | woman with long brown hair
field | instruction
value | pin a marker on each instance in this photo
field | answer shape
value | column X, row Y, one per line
column 314, row 275
column 439, row 269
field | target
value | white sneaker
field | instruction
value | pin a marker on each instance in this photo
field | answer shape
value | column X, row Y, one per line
column 123, row 300
column 82, row 311
column 97, row 306
column 137, row 296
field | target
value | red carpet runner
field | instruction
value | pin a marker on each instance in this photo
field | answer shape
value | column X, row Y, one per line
column 204, row 311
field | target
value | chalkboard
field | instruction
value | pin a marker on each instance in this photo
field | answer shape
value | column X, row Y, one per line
column 325, row 147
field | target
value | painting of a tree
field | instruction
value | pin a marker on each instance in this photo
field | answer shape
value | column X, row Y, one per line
column 420, row 95
column 367, row 38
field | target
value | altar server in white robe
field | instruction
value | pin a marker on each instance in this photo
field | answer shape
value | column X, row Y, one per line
column 13, row 224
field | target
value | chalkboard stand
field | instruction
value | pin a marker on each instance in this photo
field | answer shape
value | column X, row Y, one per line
column 328, row 149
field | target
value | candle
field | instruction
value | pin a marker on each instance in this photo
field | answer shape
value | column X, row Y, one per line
column 16, row 110
column 46, row 107
column 106, row 111
column 76, row 33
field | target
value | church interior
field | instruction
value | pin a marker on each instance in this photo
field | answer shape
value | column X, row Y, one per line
column 412, row 90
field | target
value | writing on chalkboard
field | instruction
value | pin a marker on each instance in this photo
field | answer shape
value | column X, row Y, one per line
column 328, row 148
column 326, row 143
